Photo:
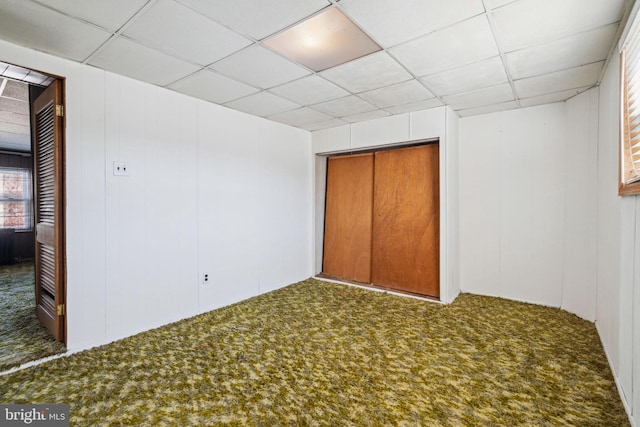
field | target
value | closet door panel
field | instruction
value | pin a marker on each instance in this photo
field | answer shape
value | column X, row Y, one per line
column 406, row 229
column 348, row 217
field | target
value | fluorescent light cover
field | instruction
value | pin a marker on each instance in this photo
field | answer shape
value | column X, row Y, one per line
column 323, row 41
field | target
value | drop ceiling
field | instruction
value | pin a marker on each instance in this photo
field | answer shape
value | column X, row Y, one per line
column 476, row 56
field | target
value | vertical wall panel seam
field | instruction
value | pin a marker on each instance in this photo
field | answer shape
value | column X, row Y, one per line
column 198, row 260
column 105, row 192
column 570, row 129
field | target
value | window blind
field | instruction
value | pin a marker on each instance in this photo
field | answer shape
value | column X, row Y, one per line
column 630, row 126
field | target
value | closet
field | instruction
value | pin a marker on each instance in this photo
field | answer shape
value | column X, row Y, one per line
column 382, row 219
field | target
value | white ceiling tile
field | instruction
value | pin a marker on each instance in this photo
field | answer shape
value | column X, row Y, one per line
column 481, row 74
column 367, row 73
column 362, row 117
column 123, row 56
column 257, row 18
column 586, row 75
column 157, row 28
column 402, row 93
column 494, row 4
column 569, row 52
column 346, row 106
column 380, row 18
column 526, row 23
column 211, row 86
column 309, row 90
column 464, row 43
column 418, row 106
column 33, row 25
column 260, row 67
column 262, row 104
column 324, row 125
column 111, row 14
column 552, row 97
column 480, row 97
column 301, row 116
column 511, row 105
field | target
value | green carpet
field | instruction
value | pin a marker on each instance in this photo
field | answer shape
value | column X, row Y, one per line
column 22, row 336
column 323, row 354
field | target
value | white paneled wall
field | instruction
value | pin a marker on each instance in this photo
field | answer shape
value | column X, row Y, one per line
column 618, row 250
column 512, row 197
column 528, row 204
column 209, row 190
column 580, row 207
column 439, row 123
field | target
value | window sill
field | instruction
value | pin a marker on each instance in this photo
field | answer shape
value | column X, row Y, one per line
column 629, row 189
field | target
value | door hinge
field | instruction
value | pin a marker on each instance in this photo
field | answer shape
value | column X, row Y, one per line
column 60, row 110
column 60, row 309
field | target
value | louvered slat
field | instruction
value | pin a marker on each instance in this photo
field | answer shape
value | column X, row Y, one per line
column 46, row 167
column 48, row 305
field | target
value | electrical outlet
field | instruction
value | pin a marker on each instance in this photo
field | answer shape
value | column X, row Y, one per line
column 120, row 168
column 205, row 279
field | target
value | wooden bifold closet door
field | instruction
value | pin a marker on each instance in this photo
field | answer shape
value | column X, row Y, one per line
column 382, row 219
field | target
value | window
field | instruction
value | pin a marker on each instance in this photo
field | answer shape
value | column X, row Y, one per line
column 15, row 198
column 630, row 126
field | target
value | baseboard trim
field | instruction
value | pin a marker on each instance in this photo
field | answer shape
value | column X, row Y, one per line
column 627, row 408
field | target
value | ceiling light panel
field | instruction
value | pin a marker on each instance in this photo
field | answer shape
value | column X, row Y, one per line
column 458, row 45
column 211, row 86
column 158, row 26
column 323, row 41
column 257, row 18
column 489, row 72
column 309, row 90
column 402, row 93
column 586, row 75
column 131, row 59
column 110, row 15
column 30, row 24
column 368, row 73
column 274, row 69
column 380, row 18
column 526, row 23
column 262, row 104
column 569, row 52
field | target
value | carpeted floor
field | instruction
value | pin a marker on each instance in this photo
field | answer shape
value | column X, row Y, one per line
column 22, row 337
column 323, row 354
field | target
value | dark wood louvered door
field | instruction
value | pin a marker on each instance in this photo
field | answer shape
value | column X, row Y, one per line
column 47, row 122
column 348, row 212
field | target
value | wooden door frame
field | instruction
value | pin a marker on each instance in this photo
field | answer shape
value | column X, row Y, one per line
column 63, row 201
